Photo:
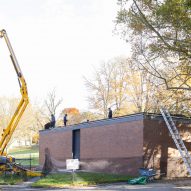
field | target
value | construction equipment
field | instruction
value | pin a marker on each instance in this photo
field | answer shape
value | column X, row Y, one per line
column 177, row 139
column 7, row 163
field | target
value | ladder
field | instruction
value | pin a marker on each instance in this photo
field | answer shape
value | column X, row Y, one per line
column 177, row 139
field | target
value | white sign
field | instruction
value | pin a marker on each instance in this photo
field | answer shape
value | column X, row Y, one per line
column 72, row 164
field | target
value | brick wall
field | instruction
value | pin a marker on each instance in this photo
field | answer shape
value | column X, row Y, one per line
column 121, row 145
column 112, row 141
column 160, row 150
column 113, row 145
column 116, row 148
column 59, row 144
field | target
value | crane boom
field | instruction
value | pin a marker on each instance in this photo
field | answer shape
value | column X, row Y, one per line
column 7, row 163
column 8, row 131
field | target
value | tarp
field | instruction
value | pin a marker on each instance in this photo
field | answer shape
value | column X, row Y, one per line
column 139, row 180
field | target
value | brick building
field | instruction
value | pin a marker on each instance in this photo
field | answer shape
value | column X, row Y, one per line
column 119, row 145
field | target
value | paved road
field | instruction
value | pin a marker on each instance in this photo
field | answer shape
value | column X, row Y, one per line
column 183, row 185
column 112, row 187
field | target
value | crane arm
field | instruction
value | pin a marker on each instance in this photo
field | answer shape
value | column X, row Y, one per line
column 8, row 131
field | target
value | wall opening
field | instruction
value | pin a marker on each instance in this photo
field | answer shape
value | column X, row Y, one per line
column 76, row 144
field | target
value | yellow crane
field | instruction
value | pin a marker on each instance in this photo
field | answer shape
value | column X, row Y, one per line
column 7, row 163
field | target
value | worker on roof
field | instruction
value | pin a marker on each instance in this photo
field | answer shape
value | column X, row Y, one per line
column 53, row 121
column 65, row 119
column 110, row 113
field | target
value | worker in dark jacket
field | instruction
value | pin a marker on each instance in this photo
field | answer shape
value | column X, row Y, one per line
column 110, row 113
column 65, row 119
column 50, row 124
column 53, row 121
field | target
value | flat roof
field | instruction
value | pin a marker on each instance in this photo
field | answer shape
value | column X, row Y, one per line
column 115, row 120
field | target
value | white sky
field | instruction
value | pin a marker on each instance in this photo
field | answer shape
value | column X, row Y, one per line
column 57, row 42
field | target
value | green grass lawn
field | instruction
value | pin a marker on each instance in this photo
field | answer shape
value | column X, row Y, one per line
column 11, row 179
column 24, row 150
column 80, row 179
column 27, row 160
column 24, row 154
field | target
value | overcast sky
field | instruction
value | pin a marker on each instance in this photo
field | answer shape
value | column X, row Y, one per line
column 56, row 43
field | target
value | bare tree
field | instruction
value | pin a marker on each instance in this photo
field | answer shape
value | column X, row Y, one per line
column 100, row 88
column 52, row 102
column 120, row 85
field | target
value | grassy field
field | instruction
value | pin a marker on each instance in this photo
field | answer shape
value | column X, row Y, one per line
column 11, row 179
column 24, row 150
column 26, row 156
column 79, row 179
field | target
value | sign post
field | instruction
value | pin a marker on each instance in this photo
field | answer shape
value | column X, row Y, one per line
column 72, row 164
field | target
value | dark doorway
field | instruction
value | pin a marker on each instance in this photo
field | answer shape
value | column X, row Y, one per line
column 76, row 144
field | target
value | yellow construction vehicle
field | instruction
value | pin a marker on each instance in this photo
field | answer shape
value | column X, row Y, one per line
column 7, row 163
